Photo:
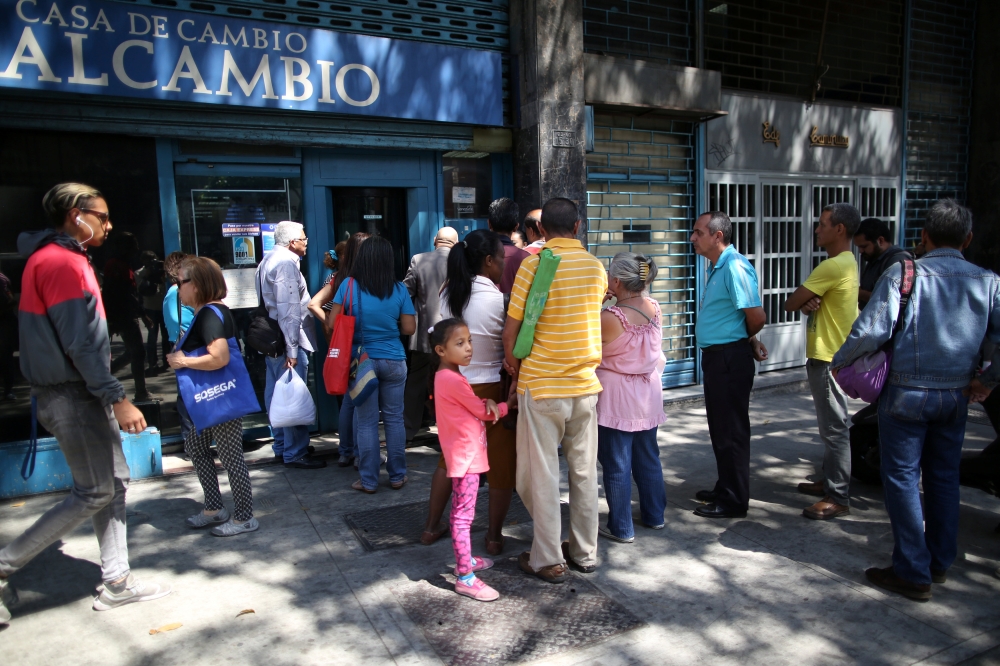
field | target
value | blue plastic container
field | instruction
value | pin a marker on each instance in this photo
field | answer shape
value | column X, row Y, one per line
column 142, row 452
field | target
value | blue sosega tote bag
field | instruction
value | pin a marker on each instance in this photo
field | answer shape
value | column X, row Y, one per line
column 213, row 397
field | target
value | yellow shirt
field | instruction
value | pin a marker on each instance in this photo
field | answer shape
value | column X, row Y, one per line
column 835, row 281
column 567, row 347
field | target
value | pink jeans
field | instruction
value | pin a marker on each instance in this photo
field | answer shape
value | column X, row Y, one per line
column 463, row 512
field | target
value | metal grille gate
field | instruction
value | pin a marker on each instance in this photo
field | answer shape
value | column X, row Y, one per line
column 779, row 240
column 640, row 194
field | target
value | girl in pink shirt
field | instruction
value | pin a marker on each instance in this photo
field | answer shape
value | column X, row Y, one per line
column 460, row 416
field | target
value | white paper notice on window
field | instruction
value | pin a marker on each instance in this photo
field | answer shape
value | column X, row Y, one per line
column 463, row 195
column 241, row 292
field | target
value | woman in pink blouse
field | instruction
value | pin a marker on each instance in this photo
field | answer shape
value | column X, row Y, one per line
column 630, row 408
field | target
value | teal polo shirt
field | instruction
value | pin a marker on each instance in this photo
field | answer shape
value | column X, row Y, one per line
column 730, row 286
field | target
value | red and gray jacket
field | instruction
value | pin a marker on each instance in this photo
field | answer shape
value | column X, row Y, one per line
column 64, row 332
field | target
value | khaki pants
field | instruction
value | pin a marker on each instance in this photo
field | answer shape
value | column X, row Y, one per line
column 542, row 425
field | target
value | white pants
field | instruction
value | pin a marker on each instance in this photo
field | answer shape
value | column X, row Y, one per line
column 542, row 425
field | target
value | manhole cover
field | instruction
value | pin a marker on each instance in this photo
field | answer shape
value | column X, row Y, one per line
column 401, row 525
column 532, row 619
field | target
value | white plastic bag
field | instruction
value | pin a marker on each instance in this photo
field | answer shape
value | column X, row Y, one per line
column 292, row 404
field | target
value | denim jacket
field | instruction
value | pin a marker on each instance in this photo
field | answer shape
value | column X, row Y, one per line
column 955, row 305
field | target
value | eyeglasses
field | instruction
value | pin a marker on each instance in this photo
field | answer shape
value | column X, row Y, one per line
column 100, row 215
column 304, row 239
column 179, row 282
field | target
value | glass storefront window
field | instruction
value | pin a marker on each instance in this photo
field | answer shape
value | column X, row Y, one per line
column 231, row 219
column 206, row 203
column 468, row 191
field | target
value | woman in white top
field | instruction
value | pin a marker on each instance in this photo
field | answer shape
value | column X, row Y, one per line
column 471, row 294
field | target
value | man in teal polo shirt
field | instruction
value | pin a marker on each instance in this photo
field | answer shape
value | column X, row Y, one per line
column 729, row 318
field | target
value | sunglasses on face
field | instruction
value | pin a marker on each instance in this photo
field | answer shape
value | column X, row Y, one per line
column 100, row 215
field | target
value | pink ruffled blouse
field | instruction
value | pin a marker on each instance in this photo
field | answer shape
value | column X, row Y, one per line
column 632, row 399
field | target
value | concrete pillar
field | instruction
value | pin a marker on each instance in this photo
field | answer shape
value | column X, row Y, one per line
column 984, row 143
column 549, row 156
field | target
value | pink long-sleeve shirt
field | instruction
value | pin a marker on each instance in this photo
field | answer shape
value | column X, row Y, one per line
column 460, row 415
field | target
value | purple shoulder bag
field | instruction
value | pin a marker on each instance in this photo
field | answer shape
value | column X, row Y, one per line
column 865, row 378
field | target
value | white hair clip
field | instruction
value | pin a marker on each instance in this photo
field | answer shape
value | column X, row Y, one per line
column 430, row 330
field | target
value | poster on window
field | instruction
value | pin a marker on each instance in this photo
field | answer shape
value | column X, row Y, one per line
column 243, row 250
column 463, row 195
column 267, row 236
column 241, row 291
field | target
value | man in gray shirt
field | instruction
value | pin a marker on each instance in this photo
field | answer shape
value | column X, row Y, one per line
column 283, row 288
column 427, row 273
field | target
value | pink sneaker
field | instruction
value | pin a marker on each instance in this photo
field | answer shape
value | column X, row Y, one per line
column 482, row 563
column 479, row 590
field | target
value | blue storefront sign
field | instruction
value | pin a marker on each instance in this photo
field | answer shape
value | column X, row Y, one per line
column 108, row 48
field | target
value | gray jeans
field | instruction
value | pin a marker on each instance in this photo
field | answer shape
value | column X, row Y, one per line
column 831, row 412
column 89, row 438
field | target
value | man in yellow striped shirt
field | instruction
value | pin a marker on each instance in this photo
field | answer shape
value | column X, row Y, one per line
column 557, row 386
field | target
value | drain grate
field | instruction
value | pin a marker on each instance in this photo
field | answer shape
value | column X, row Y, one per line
column 531, row 620
column 401, row 525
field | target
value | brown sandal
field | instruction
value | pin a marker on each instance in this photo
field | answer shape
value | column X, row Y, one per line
column 358, row 486
column 428, row 537
column 494, row 548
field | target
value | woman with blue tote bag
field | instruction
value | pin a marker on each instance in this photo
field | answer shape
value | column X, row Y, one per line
column 216, row 392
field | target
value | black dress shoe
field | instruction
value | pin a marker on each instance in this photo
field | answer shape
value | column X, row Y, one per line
column 345, row 461
column 706, row 495
column 306, row 463
column 716, row 511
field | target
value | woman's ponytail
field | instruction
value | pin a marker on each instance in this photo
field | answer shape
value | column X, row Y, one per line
column 465, row 261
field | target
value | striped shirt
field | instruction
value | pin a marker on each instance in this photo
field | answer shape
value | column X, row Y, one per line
column 567, row 347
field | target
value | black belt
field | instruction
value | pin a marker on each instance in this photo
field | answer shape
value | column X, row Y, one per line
column 714, row 348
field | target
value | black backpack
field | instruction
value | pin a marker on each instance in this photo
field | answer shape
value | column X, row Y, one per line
column 264, row 334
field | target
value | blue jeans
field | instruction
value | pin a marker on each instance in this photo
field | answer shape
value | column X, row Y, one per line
column 921, row 430
column 624, row 455
column 289, row 443
column 389, row 401
column 348, row 448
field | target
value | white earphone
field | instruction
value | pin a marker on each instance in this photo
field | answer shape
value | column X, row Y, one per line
column 79, row 223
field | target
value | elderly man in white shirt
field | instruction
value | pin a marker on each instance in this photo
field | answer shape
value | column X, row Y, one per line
column 283, row 288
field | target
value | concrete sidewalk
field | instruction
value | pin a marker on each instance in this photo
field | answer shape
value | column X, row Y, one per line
column 774, row 588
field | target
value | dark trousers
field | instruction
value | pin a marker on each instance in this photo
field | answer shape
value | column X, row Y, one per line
column 415, row 394
column 135, row 353
column 728, row 375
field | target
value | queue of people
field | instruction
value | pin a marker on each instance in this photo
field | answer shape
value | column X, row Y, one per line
column 515, row 384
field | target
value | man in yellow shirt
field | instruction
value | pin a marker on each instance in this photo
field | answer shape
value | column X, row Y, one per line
column 557, row 397
column 829, row 297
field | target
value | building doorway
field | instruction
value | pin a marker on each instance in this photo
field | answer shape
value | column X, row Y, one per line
column 374, row 210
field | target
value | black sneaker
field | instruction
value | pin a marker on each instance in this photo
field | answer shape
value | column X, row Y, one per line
column 307, row 462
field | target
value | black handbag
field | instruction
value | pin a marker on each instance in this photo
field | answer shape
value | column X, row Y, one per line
column 264, row 334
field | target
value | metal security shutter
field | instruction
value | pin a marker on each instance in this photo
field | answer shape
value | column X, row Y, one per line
column 640, row 185
column 476, row 24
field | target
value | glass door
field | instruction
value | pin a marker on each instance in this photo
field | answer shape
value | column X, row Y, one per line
column 377, row 211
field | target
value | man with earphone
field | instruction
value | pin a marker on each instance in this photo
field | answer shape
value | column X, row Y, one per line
column 66, row 357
